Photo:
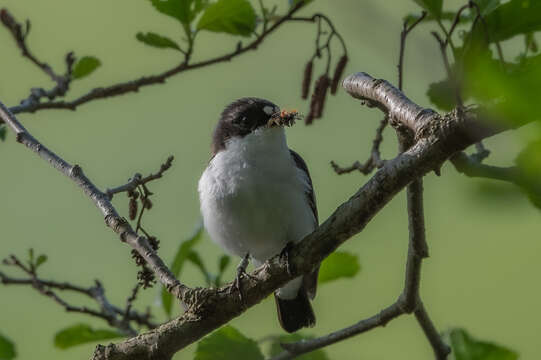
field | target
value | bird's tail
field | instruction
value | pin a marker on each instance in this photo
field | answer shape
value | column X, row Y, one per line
column 295, row 313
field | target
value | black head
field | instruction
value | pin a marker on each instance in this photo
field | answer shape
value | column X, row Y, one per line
column 240, row 118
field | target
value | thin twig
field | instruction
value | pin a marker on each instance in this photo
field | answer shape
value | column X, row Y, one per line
column 62, row 81
column 373, row 162
column 118, row 224
column 137, row 179
column 450, row 75
column 405, row 31
column 135, row 85
column 116, row 317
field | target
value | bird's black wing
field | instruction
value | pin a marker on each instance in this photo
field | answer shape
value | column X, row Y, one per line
column 310, row 279
column 310, row 196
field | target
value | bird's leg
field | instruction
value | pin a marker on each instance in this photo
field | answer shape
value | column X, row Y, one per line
column 284, row 256
column 241, row 272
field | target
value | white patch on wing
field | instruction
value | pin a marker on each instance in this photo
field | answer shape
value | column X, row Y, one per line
column 253, row 199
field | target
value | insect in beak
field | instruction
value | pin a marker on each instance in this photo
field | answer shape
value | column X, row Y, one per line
column 284, row 118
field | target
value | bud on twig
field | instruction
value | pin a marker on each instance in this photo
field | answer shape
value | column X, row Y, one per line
column 338, row 71
column 307, row 79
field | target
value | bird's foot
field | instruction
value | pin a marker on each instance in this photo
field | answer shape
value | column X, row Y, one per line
column 241, row 272
column 284, row 256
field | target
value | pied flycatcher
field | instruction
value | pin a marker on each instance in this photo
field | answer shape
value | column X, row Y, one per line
column 256, row 197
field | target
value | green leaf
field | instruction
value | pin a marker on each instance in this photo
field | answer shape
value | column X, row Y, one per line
column 81, row 334
column 276, row 349
column 156, row 40
column 487, row 6
column 31, row 256
column 529, row 161
column 339, row 264
column 465, row 347
column 295, row 2
column 223, row 263
column 442, row 94
column 235, row 17
column 195, row 259
column 7, row 349
column 41, row 259
column 178, row 262
column 184, row 11
column 433, row 7
column 512, row 18
column 85, row 66
column 225, row 344
column 3, row 132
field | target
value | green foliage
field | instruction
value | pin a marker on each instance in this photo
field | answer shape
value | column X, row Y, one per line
column 34, row 262
column 195, row 259
column 529, row 161
column 442, row 94
column 295, row 2
column 85, row 66
column 235, row 17
column 81, row 334
column 41, row 260
column 156, row 40
column 184, row 11
column 7, row 349
column 339, row 264
column 223, row 263
column 3, row 132
column 276, row 349
column 178, row 262
column 432, row 7
column 465, row 347
column 225, row 344
column 511, row 19
column 487, row 6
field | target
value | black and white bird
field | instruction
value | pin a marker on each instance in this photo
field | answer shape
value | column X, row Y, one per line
column 256, row 197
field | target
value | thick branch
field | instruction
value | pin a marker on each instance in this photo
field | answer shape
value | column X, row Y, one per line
column 437, row 138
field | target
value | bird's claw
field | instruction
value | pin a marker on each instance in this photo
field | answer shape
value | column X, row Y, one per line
column 241, row 272
column 284, row 256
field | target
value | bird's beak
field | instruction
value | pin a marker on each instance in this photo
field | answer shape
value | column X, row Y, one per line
column 283, row 118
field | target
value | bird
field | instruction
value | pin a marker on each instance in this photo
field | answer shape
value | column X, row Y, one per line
column 257, row 198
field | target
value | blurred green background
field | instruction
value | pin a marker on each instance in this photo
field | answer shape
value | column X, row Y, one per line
column 483, row 272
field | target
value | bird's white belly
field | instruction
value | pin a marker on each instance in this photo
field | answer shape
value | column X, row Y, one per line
column 253, row 200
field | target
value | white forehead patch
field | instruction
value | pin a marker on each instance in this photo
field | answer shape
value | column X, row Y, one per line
column 269, row 110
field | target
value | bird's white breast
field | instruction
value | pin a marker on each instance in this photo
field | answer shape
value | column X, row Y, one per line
column 253, row 197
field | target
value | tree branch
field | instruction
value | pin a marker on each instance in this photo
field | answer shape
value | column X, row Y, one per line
column 101, row 200
column 135, row 85
column 436, row 138
column 116, row 317
column 138, row 180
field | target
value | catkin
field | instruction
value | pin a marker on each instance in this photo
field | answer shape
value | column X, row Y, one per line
column 307, row 79
column 133, row 208
column 319, row 96
column 338, row 71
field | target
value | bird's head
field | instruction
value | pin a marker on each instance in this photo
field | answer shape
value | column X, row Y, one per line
column 247, row 115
